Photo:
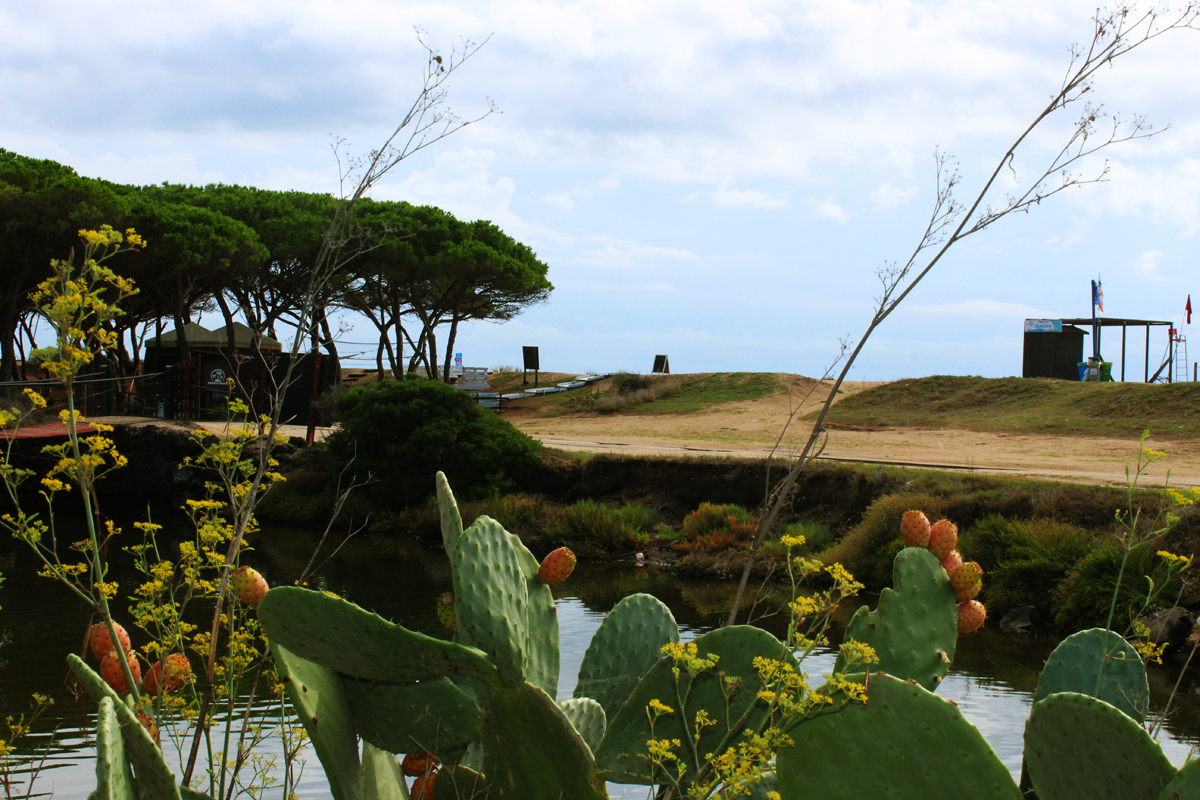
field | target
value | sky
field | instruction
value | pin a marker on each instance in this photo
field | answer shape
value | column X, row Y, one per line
column 714, row 180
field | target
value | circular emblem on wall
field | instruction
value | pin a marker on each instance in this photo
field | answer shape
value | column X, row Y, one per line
column 217, row 376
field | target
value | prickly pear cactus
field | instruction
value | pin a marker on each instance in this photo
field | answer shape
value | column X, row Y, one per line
column 153, row 779
column 532, row 752
column 320, row 702
column 622, row 756
column 410, row 717
column 114, row 781
column 905, row 742
column 1186, row 783
column 914, row 630
column 627, row 644
column 587, row 717
column 382, row 778
column 337, row 634
column 1101, row 664
column 1081, row 748
column 501, row 607
column 452, row 526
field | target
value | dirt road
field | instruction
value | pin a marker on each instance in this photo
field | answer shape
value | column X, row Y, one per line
column 749, row 430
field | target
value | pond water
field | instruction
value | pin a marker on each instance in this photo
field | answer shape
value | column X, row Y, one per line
column 993, row 677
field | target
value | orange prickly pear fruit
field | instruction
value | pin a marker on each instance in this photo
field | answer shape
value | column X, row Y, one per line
column 419, row 763
column 422, row 788
column 971, row 616
column 943, row 537
column 557, row 566
column 914, row 527
column 149, row 725
column 445, row 611
column 177, row 672
column 101, row 642
column 952, row 562
column 114, row 676
column 248, row 585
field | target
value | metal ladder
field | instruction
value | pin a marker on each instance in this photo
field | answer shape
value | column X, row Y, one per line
column 1182, row 365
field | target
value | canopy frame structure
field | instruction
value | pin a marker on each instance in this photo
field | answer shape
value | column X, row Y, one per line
column 1124, row 324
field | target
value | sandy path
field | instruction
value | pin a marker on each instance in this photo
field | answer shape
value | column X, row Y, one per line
column 749, row 430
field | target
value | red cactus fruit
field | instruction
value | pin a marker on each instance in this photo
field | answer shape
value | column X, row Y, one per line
column 557, row 566
column 150, row 727
column 445, row 611
column 943, row 537
column 971, row 616
column 952, row 562
column 114, row 676
column 177, row 672
column 422, row 787
column 101, row 642
column 419, row 763
column 248, row 585
column 914, row 527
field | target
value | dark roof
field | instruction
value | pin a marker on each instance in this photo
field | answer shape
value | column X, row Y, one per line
column 1109, row 322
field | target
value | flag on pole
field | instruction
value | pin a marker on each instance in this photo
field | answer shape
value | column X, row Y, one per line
column 1098, row 295
column 1188, row 309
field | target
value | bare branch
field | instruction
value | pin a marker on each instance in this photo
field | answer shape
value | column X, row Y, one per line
column 1116, row 33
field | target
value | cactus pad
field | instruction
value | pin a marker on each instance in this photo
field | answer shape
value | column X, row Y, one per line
column 1185, row 784
column 382, row 778
column 1081, row 748
column 404, row 718
column 587, row 716
column 905, row 742
column 532, row 752
column 152, row 777
column 1074, row 666
column 914, row 630
column 320, row 703
column 500, row 608
column 622, row 756
column 114, row 781
column 627, row 644
column 452, row 526
column 337, row 634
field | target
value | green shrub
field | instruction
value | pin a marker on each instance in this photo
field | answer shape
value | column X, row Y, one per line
column 637, row 518
column 589, row 522
column 869, row 548
column 728, row 518
column 817, row 537
column 1024, row 560
column 403, row 432
column 518, row 513
column 630, row 382
column 1086, row 593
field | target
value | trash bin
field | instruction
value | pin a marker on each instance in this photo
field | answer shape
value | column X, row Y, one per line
column 1106, row 371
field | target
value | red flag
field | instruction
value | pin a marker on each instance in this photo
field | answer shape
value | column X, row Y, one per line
column 1188, row 309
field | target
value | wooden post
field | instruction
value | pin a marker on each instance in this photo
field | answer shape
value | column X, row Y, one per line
column 1122, row 352
column 1147, row 378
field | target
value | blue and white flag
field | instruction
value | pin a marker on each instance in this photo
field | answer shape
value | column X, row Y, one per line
column 1098, row 295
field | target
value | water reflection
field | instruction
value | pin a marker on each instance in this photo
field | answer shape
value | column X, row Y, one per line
column 993, row 679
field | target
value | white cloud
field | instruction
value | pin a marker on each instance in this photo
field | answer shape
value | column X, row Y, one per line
column 1169, row 194
column 617, row 253
column 827, row 209
column 978, row 308
column 560, row 200
column 1147, row 265
column 888, row 196
column 753, row 198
